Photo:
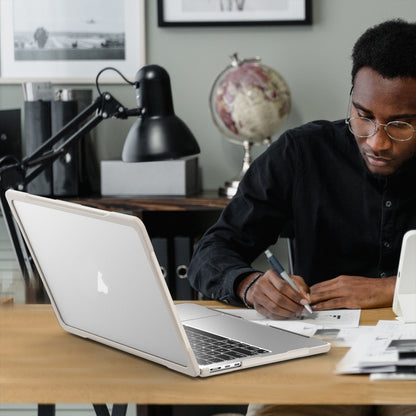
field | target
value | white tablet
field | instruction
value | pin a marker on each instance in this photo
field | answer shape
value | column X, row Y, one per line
column 404, row 302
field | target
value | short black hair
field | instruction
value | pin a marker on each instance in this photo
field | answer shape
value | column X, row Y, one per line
column 388, row 48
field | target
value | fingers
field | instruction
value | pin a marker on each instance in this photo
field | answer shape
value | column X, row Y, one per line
column 334, row 294
column 274, row 298
column 352, row 292
column 303, row 287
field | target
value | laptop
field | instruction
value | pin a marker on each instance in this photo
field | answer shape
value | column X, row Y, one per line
column 105, row 284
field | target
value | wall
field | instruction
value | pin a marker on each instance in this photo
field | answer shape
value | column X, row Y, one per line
column 314, row 60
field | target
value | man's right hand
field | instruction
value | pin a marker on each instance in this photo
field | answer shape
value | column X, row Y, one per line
column 273, row 297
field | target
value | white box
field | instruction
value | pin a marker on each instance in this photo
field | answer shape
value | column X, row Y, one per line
column 168, row 177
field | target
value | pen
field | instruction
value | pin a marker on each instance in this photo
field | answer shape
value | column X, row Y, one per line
column 278, row 268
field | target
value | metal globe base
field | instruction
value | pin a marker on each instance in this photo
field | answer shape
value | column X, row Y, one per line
column 230, row 187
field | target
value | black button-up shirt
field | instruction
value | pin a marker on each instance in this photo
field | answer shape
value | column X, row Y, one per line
column 313, row 180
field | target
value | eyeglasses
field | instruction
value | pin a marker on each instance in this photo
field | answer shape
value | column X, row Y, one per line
column 365, row 127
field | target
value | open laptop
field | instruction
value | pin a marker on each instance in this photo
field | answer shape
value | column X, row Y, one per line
column 105, row 284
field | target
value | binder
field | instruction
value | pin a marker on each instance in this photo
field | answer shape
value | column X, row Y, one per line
column 65, row 171
column 88, row 164
column 37, row 129
column 161, row 249
column 10, row 133
column 182, row 248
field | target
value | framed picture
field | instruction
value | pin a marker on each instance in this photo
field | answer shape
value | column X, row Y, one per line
column 234, row 12
column 71, row 41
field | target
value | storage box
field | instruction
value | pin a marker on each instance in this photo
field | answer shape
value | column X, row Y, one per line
column 168, row 177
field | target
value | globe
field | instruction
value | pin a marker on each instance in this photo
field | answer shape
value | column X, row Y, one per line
column 249, row 103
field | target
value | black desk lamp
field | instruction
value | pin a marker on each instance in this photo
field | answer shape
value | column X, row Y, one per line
column 156, row 135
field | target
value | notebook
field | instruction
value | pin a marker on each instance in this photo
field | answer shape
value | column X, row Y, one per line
column 104, row 283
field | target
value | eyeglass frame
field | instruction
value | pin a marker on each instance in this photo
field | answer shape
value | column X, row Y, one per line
column 376, row 124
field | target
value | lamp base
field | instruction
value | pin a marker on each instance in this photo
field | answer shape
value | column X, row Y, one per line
column 178, row 177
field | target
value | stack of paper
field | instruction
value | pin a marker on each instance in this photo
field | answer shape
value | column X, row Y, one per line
column 387, row 351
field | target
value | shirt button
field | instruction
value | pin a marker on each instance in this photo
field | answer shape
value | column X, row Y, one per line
column 382, row 274
column 388, row 204
column 386, row 244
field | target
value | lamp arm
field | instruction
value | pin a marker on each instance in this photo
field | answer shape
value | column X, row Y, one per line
column 15, row 174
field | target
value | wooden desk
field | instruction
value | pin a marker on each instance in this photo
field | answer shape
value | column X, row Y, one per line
column 40, row 363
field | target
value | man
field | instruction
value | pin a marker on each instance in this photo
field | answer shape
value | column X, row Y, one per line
column 346, row 189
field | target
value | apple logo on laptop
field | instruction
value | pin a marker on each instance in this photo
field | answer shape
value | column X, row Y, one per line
column 101, row 285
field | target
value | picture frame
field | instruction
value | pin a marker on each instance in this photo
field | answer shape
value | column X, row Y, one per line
column 234, row 12
column 70, row 42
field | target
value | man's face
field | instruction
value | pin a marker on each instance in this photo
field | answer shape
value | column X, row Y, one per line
column 384, row 100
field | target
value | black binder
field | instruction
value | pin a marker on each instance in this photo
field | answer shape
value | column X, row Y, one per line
column 183, row 248
column 160, row 246
column 10, row 133
column 37, row 129
column 65, row 169
column 88, row 164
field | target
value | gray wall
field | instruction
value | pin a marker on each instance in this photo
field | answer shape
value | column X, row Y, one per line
column 314, row 60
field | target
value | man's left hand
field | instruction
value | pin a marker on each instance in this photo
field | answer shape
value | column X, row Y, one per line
column 353, row 292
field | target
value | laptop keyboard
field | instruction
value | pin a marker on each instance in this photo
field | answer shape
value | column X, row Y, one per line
column 210, row 348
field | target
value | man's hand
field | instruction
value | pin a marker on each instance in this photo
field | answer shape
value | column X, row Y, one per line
column 273, row 297
column 353, row 292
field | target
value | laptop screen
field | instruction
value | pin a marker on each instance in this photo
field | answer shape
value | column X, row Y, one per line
column 102, row 276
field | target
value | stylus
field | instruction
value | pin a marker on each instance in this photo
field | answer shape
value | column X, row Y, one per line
column 278, row 268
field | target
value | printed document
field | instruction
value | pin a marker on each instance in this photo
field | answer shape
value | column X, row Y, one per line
column 390, row 347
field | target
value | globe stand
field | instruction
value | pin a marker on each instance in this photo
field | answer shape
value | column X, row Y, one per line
column 230, row 187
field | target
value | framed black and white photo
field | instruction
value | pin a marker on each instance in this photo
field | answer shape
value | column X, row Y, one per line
column 234, row 12
column 71, row 41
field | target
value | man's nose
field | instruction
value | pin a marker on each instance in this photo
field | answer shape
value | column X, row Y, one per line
column 380, row 141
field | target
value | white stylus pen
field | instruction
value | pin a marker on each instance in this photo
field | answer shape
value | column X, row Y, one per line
column 278, row 268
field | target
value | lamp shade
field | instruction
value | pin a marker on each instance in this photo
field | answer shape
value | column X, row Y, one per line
column 158, row 134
